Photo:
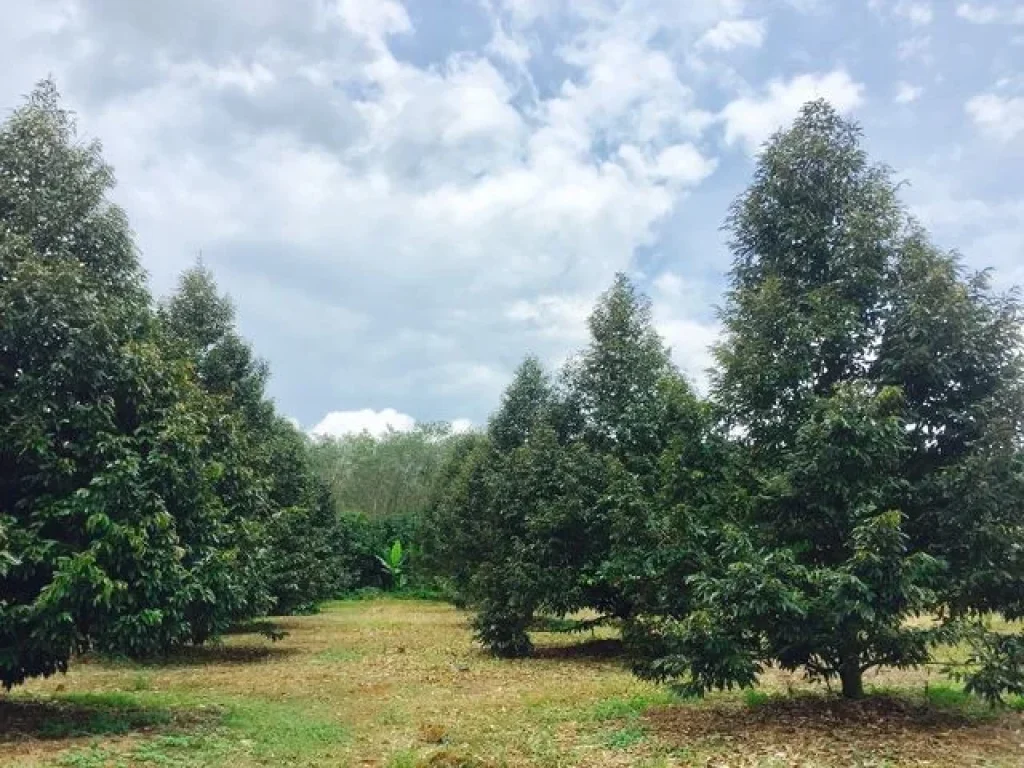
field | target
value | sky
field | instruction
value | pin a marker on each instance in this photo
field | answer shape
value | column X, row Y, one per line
column 406, row 197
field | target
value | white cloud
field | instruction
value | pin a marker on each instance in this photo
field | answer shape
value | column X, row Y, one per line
column 376, row 423
column 751, row 120
column 462, row 426
column 917, row 13
column 401, row 229
column 375, row 19
column 559, row 317
column 1000, row 117
column 432, row 198
column 907, row 93
column 981, row 13
column 977, row 13
column 682, row 164
column 734, row 33
column 917, row 48
column 989, row 232
column 675, row 307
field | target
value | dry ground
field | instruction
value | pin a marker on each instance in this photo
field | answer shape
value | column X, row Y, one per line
column 399, row 684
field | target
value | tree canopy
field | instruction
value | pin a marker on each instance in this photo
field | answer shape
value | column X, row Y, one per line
column 857, row 464
column 149, row 494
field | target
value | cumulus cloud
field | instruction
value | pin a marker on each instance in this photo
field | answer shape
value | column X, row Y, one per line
column 376, row 423
column 751, row 120
column 986, row 13
column 917, row 13
column 387, row 225
column 403, row 203
column 734, row 33
column 1000, row 117
column 907, row 93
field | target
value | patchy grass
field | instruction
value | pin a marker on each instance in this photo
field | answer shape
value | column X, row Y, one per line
column 80, row 714
column 394, row 683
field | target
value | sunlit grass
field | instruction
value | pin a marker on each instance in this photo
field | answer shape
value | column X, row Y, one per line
column 399, row 683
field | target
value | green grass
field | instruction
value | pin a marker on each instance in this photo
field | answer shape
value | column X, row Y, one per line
column 269, row 733
column 82, row 714
column 372, row 682
column 631, row 707
column 624, row 738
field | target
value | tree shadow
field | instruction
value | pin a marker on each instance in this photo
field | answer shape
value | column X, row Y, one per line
column 111, row 714
column 597, row 649
column 272, row 630
column 202, row 655
column 827, row 728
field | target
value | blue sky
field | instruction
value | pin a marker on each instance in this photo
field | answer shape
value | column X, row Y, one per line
column 405, row 198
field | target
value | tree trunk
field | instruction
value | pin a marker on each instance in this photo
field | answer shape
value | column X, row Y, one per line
column 852, row 678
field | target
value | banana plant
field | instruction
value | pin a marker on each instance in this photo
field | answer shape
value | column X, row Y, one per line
column 393, row 562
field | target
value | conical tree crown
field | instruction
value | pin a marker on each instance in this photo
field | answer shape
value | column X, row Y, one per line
column 618, row 377
column 523, row 405
column 53, row 193
column 813, row 239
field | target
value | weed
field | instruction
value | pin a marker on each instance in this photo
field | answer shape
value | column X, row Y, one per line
column 404, row 759
column 631, row 707
column 624, row 738
column 142, row 682
column 753, row 697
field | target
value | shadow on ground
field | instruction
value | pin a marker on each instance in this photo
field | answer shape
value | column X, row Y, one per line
column 202, row 655
column 92, row 715
column 836, row 731
column 599, row 649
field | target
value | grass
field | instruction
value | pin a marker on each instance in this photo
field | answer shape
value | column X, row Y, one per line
column 395, row 683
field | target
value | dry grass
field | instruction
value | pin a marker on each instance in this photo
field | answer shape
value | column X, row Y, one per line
column 400, row 684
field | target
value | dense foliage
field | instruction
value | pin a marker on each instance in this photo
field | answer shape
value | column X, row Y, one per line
column 149, row 494
column 553, row 509
column 858, row 463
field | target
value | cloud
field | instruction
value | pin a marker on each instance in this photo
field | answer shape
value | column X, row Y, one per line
column 988, row 231
column 981, row 13
column 376, row 423
column 751, row 120
column 918, row 48
column 560, row 317
column 734, row 33
column 462, row 426
column 376, row 217
column 675, row 303
column 999, row 117
column 917, row 13
column 907, row 93
column 406, row 198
